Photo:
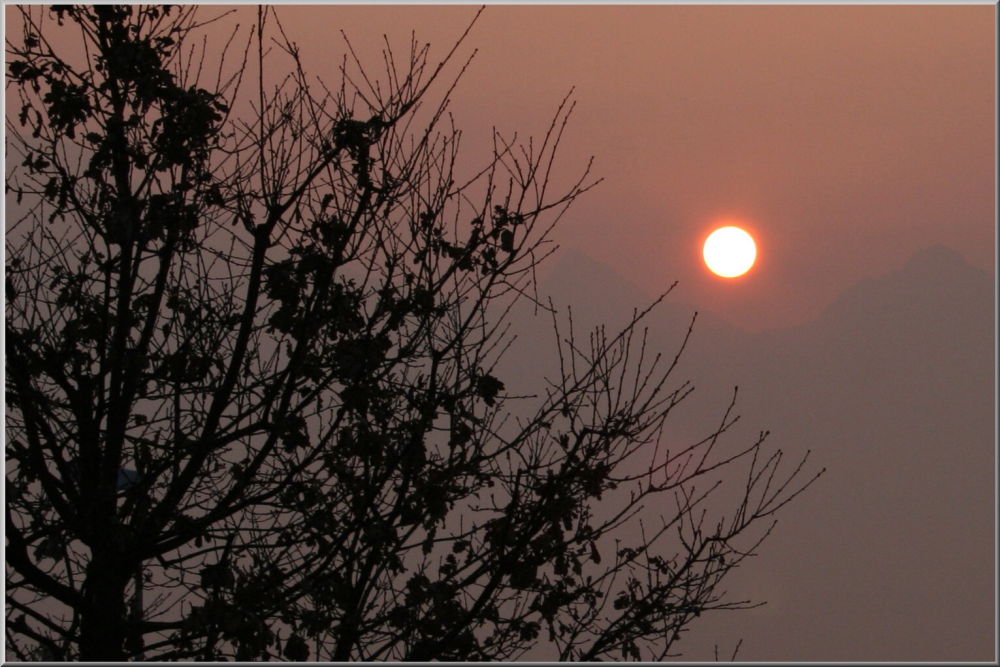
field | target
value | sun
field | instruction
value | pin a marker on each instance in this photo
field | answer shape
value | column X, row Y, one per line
column 729, row 252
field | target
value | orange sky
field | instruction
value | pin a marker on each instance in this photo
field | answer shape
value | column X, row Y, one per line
column 847, row 137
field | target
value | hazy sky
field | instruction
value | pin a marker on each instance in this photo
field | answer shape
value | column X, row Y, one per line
column 850, row 140
column 845, row 137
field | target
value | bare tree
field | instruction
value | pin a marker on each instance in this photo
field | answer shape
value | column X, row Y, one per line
column 252, row 405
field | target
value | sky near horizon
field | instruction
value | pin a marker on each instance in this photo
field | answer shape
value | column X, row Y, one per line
column 847, row 138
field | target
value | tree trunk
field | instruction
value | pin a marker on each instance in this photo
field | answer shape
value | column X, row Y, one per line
column 103, row 624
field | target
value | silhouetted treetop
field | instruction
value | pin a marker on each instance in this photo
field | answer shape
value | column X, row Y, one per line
column 254, row 411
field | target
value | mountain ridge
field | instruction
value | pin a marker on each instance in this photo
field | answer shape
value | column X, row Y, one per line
column 891, row 386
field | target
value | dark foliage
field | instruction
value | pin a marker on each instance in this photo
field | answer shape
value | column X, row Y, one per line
column 251, row 343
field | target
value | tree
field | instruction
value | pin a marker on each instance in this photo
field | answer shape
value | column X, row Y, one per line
column 252, row 402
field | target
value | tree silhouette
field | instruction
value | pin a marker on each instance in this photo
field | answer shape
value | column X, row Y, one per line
column 252, row 401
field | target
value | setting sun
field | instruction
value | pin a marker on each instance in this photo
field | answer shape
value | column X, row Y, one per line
column 729, row 252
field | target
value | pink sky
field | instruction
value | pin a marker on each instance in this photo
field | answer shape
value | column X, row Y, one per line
column 846, row 137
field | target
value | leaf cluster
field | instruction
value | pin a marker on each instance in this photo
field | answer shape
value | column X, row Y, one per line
column 286, row 322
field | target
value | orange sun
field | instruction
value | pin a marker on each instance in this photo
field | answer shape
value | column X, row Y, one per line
column 729, row 252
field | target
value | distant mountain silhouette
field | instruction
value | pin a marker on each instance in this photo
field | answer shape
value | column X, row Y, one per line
column 934, row 282
column 574, row 274
column 598, row 294
column 892, row 387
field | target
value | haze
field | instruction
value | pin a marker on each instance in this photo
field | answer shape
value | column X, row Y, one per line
column 847, row 137
column 858, row 144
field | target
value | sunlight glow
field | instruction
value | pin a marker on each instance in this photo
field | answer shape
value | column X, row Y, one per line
column 729, row 252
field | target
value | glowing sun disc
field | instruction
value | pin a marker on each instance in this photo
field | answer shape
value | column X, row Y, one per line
column 729, row 252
